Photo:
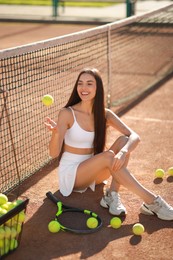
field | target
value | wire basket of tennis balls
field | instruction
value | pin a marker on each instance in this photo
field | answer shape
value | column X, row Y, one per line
column 12, row 217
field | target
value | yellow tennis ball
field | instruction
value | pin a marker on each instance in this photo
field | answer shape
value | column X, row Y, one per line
column 13, row 232
column 3, row 199
column 13, row 244
column 2, row 211
column 18, row 227
column 92, row 222
column 7, row 232
column 5, row 249
column 2, row 233
column 8, row 206
column 54, row 226
column 47, row 100
column 138, row 229
column 20, row 217
column 159, row 173
column 115, row 222
column 170, row 171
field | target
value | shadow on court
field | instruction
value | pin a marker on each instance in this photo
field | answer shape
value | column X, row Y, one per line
column 38, row 243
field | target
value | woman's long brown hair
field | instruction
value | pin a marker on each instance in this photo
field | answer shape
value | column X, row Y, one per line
column 98, row 108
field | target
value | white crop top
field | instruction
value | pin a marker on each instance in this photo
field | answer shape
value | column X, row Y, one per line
column 77, row 137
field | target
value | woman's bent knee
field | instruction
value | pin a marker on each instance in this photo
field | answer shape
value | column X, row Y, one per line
column 109, row 157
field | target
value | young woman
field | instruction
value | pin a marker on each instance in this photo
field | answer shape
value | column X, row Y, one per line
column 79, row 133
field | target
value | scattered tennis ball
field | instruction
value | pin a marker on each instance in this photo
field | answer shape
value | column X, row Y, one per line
column 170, row 171
column 54, row 226
column 3, row 199
column 47, row 100
column 159, row 173
column 92, row 222
column 138, row 229
column 115, row 222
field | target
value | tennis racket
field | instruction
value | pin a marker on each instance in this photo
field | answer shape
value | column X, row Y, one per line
column 75, row 219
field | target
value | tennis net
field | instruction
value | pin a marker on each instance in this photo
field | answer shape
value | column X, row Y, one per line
column 132, row 55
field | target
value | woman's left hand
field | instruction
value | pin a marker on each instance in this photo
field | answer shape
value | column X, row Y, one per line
column 119, row 160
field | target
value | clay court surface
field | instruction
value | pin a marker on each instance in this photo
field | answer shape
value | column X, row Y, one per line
column 152, row 119
column 16, row 34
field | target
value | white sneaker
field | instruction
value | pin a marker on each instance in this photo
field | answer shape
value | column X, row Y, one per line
column 160, row 208
column 112, row 201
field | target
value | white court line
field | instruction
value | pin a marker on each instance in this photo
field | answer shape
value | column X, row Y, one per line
column 149, row 119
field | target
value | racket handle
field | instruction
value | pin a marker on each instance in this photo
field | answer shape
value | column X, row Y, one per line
column 51, row 197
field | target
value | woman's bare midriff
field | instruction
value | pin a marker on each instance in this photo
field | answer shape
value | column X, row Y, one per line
column 75, row 150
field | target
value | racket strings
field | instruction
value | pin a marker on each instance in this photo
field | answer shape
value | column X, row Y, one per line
column 73, row 220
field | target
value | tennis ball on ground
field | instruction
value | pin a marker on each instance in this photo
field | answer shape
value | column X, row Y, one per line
column 47, row 100
column 138, row 229
column 115, row 222
column 3, row 199
column 170, row 171
column 54, row 226
column 159, row 173
column 92, row 222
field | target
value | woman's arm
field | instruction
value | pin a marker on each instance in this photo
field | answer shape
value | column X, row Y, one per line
column 58, row 129
column 133, row 138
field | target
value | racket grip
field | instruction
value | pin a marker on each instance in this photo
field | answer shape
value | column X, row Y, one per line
column 51, row 197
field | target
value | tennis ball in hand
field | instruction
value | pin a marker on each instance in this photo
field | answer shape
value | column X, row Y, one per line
column 138, row 229
column 159, row 173
column 54, row 226
column 115, row 222
column 47, row 100
column 92, row 222
column 3, row 199
column 170, row 171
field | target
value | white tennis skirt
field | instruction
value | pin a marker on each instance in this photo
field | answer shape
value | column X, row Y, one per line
column 67, row 172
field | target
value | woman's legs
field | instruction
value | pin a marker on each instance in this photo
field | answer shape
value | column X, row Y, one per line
column 99, row 168
column 125, row 178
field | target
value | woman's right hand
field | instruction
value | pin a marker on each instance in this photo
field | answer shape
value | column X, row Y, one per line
column 50, row 124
